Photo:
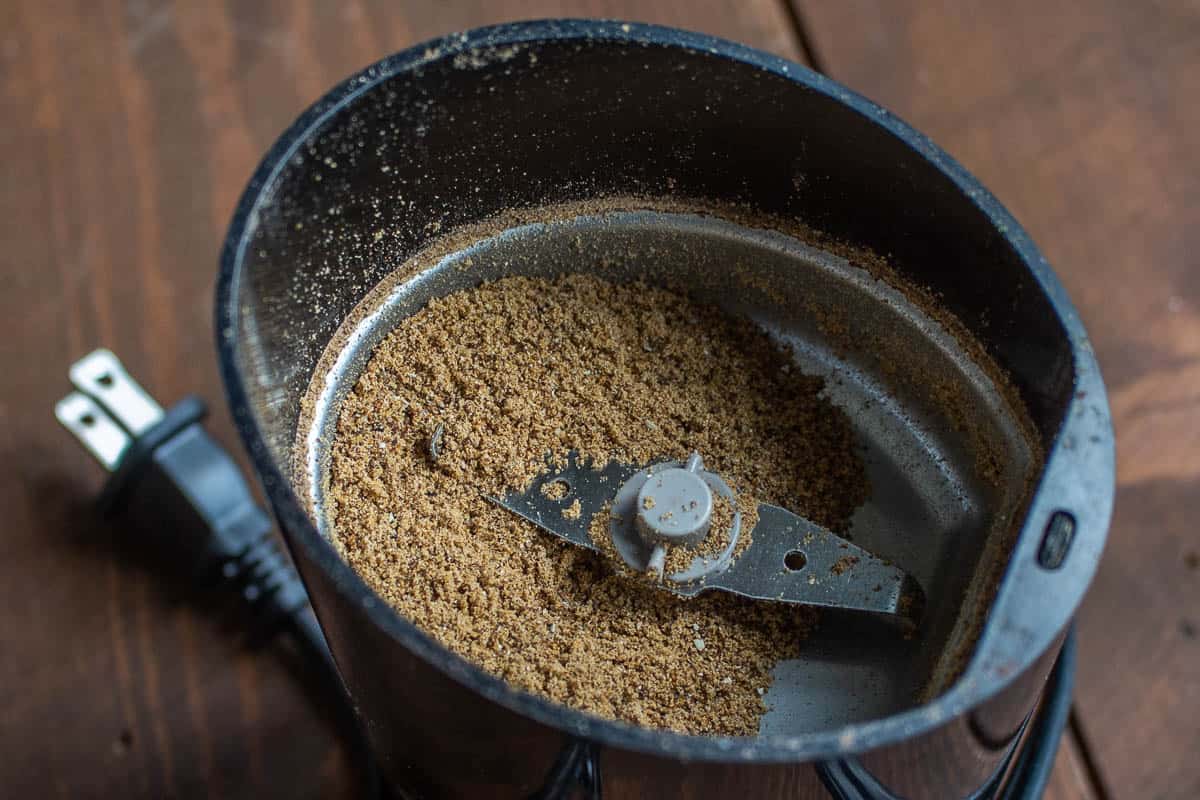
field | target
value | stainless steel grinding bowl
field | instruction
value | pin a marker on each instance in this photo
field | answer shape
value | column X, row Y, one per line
column 639, row 152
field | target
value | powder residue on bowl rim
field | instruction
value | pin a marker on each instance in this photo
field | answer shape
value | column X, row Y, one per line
column 523, row 367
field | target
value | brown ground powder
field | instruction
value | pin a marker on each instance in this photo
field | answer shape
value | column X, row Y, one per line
column 520, row 368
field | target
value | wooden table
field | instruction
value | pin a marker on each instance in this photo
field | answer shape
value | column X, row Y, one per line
column 129, row 129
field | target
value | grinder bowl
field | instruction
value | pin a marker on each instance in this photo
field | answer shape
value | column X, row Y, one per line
column 522, row 141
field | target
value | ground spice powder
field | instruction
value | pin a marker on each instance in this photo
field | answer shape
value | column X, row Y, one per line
column 522, row 367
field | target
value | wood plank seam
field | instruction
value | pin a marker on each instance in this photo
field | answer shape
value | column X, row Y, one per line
column 1087, row 755
column 803, row 36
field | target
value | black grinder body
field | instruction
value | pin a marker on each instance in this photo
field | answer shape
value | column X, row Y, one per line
column 529, row 114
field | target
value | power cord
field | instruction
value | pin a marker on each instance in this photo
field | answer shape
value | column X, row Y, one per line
column 170, row 479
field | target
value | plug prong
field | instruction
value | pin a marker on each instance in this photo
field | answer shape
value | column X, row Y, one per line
column 100, row 375
column 94, row 428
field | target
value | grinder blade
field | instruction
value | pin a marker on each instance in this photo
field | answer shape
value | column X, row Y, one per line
column 790, row 559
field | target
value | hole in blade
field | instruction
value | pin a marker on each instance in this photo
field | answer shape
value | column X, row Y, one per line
column 556, row 489
column 795, row 561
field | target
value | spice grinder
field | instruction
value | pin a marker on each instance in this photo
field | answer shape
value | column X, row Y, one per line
column 640, row 153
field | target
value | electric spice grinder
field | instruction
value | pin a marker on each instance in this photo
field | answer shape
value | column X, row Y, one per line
column 734, row 157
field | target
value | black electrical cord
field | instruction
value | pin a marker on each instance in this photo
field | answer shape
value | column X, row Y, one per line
column 187, row 499
column 1031, row 775
column 307, row 635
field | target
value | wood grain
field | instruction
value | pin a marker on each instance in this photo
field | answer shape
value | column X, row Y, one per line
column 128, row 130
column 1079, row 117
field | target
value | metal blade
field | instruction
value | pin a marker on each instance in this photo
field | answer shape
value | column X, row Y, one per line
column 793, row 560
column 789, row 560
column 593, row 488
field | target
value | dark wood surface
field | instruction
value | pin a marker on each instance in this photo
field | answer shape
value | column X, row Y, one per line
column 128, row 129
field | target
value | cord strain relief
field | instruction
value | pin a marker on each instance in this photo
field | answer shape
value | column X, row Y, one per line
column 267, row 583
